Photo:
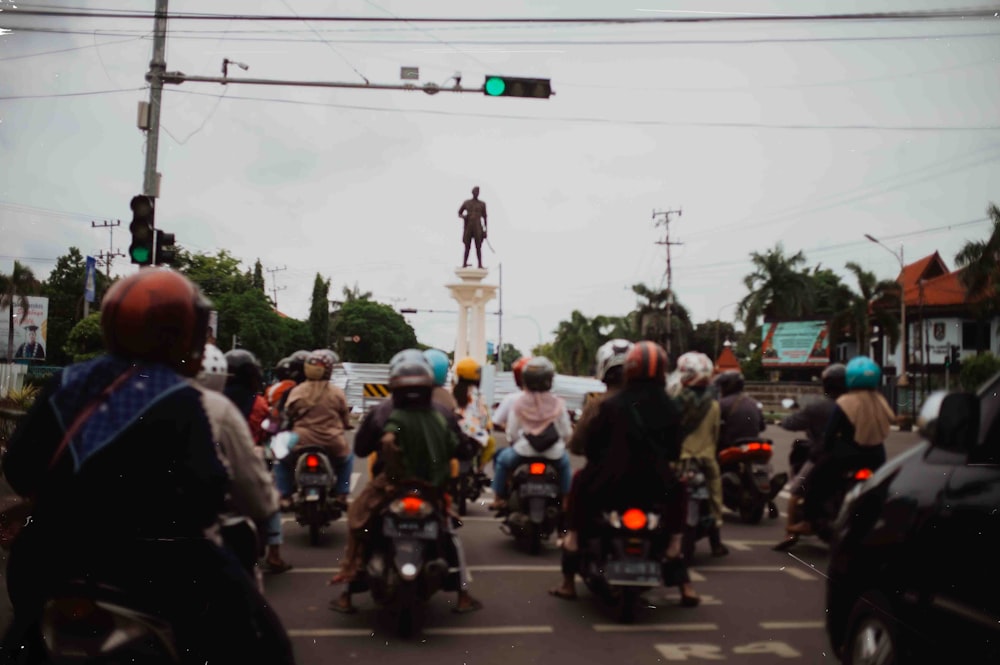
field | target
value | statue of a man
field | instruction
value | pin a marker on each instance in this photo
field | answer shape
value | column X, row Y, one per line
column 473, row 211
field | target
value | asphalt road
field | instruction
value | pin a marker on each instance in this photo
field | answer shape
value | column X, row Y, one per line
column 758, row 606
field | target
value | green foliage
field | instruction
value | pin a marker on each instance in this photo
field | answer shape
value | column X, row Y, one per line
column 977, row 370
column 649, row 320
column 216, row 275
column 709, row 337
column 295, row 335
column 85, row 340
column 383, row 331
column 64, row 289
column 319, row 313
column 876, row 301
column 547, row 349
column 981, row 263
column 509, row 355
column 778, row 287
column 257, row 281
column 753, row 367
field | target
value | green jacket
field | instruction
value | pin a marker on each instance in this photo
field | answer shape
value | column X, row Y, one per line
column 426, row 445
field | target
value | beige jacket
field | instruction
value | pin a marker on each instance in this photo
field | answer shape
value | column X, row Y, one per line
column 701, row 442
column 320, row 416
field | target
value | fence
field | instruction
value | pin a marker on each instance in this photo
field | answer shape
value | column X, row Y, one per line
column 12, row 377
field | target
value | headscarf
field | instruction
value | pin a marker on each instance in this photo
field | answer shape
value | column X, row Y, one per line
column 870, row 415
column 537, row 410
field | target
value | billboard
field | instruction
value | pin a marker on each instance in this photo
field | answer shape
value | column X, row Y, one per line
column 30, row 329
column 795, row 344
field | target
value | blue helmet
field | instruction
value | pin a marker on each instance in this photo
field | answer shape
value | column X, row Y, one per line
column 439, row 363
column 862, row 372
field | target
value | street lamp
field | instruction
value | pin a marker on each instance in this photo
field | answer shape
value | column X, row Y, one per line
column 902, row 380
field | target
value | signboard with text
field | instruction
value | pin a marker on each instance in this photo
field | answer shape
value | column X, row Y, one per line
column 795, row 344
column 30, row 329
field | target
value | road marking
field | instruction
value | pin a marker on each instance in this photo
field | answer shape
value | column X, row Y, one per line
column 785, row 494
column 503, row 568
column 481, row 518
column 354, row 480
column 331, row 632
column 653, row 627
column 794, row 572
column 489, row 630
column 783, row 625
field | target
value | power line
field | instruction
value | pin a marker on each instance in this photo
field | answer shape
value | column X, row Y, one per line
column 67, row 50
column 936, row 14
column 85, row 93
column 328, row 44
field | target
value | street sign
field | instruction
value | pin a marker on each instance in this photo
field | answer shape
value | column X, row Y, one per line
column 409, row 73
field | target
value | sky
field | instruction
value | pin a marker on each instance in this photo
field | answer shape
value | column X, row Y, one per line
column 810, row 133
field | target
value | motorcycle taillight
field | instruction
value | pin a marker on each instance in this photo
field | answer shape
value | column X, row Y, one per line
column 862, row 474
column 312, row 462
column 536, row 468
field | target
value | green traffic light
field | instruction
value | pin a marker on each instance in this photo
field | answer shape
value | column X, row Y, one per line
column 495, row 86
column 140, row 254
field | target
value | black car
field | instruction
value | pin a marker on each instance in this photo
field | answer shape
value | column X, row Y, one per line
column 914, row 572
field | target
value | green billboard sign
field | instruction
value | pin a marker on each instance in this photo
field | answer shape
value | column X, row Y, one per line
column 795, row 344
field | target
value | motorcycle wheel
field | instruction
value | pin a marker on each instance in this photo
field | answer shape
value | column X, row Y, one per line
column 405, row 622
column 751, row 512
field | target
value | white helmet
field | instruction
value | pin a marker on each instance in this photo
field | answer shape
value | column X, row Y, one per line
column 214, row 368
column 612, row 354
column 695, row 369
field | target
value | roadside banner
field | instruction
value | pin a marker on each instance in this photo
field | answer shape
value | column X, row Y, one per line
column 795, row 344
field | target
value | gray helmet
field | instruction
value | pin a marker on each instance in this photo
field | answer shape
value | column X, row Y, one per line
column 410, row 369
column 834, row 380
column 538, row 374
column 730, row 382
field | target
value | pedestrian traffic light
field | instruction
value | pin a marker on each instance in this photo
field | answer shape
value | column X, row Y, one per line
column 166, row 252
column 141, row 249
column 511, row 86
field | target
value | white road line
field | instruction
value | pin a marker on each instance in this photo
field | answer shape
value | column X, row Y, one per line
column 354, row 480
column 331, row 632
column 785, row 494
column 696, row 576
column 794, row 572
column 502, row 568
column 481, row 518
column 654, row 627
column 783, row 625
column 490, row 630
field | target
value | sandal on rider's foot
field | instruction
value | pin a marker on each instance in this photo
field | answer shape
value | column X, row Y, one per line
column 344, row 608
column 472, row 606
column 787, row 543
column 690, row 601
column 560, row 592
column 275, row 568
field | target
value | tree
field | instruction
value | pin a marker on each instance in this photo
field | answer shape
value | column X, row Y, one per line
column 85, row 340
column 258, row 277
column 650, row 319
column 977, row 370
column 65, row 290
column 980, row 263
column 319, row 313
column 576, row 343
column 14, row 291
column 709, row 336
column 778, row 289
column 382, row 330
column 214, row 274
column 509, row 354
column 828, row 294
column 875, row 301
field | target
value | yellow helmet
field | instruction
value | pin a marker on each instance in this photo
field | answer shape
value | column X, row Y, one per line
column 468, row 369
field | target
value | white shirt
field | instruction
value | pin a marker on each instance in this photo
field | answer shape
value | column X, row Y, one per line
column 503, row 411
column 521, row 446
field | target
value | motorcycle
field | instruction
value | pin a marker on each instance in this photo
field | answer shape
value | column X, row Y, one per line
column 822, row 525
column 468, row 485
column 747, row 484
column 623, row 558
column 699, row 520
column 314, row 501
column 406, row 555
column 534, row 505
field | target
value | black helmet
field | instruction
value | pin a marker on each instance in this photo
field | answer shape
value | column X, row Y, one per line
column 730, row 382
column 297, row 363
column 834, row 380
column 411, row 379
column 538, row 374
column 283, row 369
column 244, row 369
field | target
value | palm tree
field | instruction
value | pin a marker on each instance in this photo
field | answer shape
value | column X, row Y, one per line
column 577, row 341
column 650, row 319
column 14, row 291
column 981, row 263
column 778, row 288
column 876, row 302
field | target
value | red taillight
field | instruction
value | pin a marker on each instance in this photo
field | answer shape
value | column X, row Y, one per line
column 862, row 474
column 634, row 519
column 312, row 461
column 412, row 504
column 765, row 446
column 753, row 446
column 536, row 468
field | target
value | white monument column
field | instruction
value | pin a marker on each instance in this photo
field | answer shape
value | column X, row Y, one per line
column 471, row 295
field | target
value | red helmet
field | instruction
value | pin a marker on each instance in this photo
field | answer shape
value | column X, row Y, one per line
column 518, row 369
column 157, row 315
column 646, row 361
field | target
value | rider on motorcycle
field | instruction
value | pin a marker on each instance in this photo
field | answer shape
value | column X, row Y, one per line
column 812, row 418
column 119, row 454
column 741, row 417
column 243, row 386
column 440, row 363
column 610, row 361
column 416, row 442
column 700, row 420
column 474, row 416
column 283, row 383
column 503, row 411
column 631, row 443
column 538, row 426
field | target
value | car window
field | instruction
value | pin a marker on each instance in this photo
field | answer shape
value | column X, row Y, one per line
column 989, row 423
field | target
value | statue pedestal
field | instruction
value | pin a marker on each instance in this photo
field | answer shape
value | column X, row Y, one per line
column 472, row 295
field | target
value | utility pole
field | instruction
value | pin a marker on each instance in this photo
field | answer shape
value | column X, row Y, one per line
column 107, row 258
column 274, row 284
column 664, row 220
column 500, row 322
column 157, row 67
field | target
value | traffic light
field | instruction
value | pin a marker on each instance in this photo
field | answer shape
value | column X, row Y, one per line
column 141, row 249
column 166, row 253
column 955, row 357
column 512, row 86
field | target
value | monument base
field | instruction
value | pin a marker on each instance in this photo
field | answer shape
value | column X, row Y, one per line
column 472, row 294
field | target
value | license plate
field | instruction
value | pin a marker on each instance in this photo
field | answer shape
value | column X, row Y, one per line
column 761, row 468
column 633, row 572
column 699, row 493
column 410, row 529
column 321, row 479
column 538, row 489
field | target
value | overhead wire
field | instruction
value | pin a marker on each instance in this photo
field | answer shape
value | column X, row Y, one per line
column 328, row 44
column 83, row 93
column 72, row 48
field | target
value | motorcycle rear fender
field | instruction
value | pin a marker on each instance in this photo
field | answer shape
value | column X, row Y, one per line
column 324, row 462
column 536, row 509
column 130, row 632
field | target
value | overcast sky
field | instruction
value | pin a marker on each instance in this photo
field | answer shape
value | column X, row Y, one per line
column 810, row 133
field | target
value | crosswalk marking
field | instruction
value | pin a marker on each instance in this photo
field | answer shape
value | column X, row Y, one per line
column 794, row 572
column 783, row 625
column 489, row 630
column 653, row 627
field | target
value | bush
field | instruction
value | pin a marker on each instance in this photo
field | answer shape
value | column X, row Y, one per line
column 977, row 370
column 85, row 340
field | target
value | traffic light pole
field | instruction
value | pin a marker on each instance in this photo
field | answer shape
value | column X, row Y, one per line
column 429, row 88
column 157, row 68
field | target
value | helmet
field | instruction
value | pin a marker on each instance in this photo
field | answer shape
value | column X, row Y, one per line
column 538, row 374
column 646, row 361
column 319, row 366
column 244, row 369
column 439, row 363
column 695, row 369
column 611, row 354
column 834, row 380
column 469, row 370
column 297, row 363
column 283, row 369
column 518, row 369
column 214, row 368
column 156, row 315
column 410, row 370
column 862, row 372
column 730, row 382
